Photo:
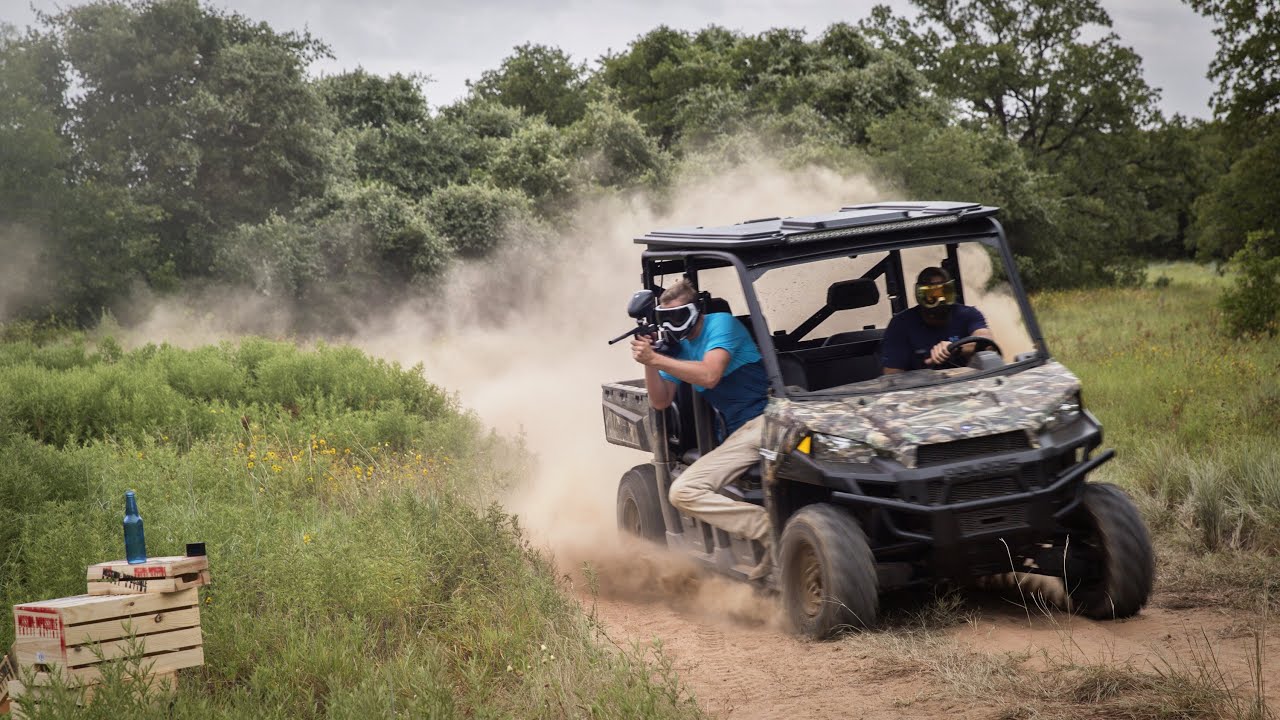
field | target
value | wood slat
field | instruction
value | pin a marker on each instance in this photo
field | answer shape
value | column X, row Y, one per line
column 49, row 653
column 159, row 663
column 137, row 625
column 80, row 609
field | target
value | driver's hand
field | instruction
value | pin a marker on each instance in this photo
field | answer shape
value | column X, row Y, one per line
column 642, row 349
column 938, row 354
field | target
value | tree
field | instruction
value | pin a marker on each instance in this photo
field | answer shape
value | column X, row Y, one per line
column 476, row 219
column 539, row 80
column 204, row 115
column 717, row 82
column 1024, row 67
column 534, row 161
column 34, row 155
column 1242, row 201
column 614, row 149
column 650, row 78
column 1245, row 67
column 361, row 100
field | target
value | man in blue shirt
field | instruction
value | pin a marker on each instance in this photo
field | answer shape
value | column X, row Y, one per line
column 718, row 357
column 918, row 337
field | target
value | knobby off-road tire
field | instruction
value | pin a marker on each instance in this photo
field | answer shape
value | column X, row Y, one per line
column 1116, row 537
column 828, row 572
column 639, row 508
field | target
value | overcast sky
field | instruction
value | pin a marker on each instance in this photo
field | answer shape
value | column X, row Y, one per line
column 453, row 41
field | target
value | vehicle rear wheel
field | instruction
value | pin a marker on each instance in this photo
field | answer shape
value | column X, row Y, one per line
column 639, row 508
column 828, row 572
column 1110, row 564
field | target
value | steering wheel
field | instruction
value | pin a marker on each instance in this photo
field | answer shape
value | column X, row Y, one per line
column 979, row 339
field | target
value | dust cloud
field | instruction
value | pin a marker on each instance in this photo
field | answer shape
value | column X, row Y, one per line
column 522, row 339
column 20, row 278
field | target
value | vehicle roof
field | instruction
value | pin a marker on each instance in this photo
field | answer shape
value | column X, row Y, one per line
column 867, row 220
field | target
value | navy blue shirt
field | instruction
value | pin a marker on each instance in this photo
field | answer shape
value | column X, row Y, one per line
column 908, row 340
column 740, row 394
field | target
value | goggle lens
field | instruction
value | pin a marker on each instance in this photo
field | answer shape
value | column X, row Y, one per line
column 931, row 296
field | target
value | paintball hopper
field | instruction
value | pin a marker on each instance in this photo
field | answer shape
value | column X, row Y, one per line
column 641, row 304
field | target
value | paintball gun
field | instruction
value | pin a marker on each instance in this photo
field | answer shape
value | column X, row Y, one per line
column 640, row 308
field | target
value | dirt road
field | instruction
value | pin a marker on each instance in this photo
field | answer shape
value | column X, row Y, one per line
column 972, row 657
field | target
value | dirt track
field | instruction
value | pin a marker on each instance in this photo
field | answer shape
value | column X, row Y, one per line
column 739, row 663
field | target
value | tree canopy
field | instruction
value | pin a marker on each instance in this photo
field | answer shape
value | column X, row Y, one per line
column 162, row 145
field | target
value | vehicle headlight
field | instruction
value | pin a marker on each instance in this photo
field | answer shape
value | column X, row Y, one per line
column 1066, row 413
column 833, row 448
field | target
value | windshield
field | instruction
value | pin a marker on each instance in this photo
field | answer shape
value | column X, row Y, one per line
column 830, row 319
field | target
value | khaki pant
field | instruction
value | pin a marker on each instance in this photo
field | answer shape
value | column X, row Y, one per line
column 697, row 491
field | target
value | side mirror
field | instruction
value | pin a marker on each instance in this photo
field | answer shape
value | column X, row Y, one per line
column 641, row 304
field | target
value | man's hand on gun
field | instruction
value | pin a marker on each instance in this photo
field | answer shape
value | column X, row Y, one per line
column 642, row 349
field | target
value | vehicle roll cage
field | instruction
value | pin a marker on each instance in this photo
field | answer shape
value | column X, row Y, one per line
column 750, row 263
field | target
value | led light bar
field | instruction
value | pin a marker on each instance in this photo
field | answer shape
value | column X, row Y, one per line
column 867, row 229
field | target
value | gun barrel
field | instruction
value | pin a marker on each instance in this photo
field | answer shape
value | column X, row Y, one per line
column 627, row 334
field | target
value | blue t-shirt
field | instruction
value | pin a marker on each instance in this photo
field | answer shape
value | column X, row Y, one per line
column 908, row 340
column 740, row 394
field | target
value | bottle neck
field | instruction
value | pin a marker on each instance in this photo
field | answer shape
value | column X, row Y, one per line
column 130, row 504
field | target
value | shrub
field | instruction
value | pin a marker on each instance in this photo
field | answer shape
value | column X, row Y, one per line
column 475, row 219
column 1250, row 306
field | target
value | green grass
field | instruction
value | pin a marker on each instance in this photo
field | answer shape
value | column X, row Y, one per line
column 1193, row 413
column 358, row 571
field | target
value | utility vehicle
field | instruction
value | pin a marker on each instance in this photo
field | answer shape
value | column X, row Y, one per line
column 873, row 481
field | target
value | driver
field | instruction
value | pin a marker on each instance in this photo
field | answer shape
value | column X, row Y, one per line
column 718, row 357
column 918, row 337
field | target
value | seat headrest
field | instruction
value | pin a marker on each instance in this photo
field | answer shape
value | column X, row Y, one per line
column 853, row 294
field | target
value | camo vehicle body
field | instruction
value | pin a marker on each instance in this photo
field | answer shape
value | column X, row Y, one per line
column 896, row 422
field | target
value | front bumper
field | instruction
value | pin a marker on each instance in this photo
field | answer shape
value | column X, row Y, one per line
column 969, row 517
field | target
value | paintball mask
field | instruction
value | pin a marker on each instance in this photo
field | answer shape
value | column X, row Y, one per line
column 936, row 300
column 677, row 321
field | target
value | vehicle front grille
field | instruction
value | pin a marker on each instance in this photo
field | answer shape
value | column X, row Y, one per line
column 988, row 520
column 975, row 490
column 939, row 453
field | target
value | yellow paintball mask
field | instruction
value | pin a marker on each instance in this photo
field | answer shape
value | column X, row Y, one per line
column 936, row 294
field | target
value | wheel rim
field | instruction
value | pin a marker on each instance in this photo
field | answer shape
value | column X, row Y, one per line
column 810, row 575
column 631, row 517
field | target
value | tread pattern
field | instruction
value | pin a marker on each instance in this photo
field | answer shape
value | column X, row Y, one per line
column 848, row 571
column 1129, row 561
column 639, row 485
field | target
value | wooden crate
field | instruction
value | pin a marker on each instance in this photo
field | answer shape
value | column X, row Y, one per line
column 72, row 635
column 114, row 584
column 156, row 575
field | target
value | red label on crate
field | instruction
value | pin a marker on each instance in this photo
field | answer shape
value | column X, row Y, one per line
column 35, row 626
column 148, row 572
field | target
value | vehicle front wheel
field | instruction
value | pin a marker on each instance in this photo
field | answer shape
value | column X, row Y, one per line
column 828, row 572
column 639, row 508
column 1110, row 564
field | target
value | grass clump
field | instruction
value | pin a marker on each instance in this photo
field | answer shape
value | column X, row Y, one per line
column 358, row 571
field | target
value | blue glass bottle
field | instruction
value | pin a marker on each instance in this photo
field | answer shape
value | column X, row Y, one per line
column 135, row 544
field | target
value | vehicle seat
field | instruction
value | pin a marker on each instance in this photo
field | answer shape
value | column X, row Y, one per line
column 818, row 368
column 793, row 372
